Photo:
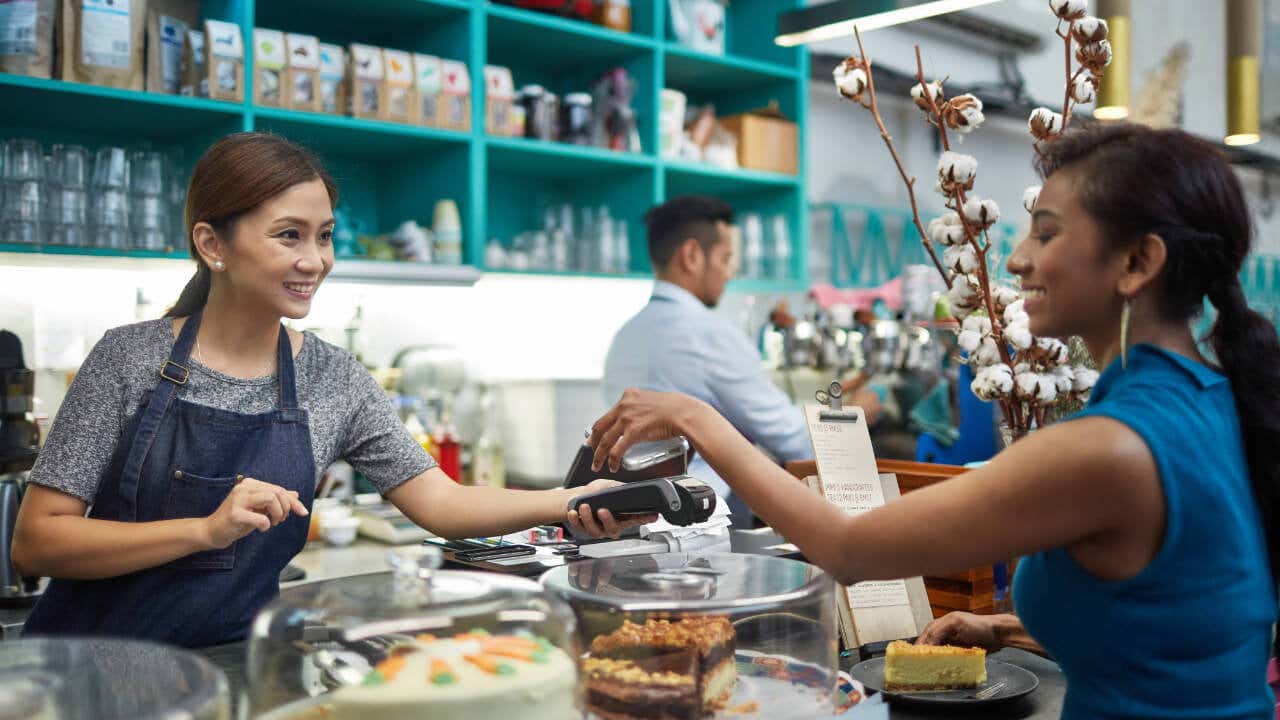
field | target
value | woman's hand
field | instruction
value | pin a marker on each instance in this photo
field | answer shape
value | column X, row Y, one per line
column 640, row 415
column 602, row 523
column 251, row 505
column 965, row 629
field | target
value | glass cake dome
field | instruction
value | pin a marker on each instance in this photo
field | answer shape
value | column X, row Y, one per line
column 691, row 635
column 415, row 643
column 100, row 679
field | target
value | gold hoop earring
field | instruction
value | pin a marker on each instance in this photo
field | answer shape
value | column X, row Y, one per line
column 1124, row 335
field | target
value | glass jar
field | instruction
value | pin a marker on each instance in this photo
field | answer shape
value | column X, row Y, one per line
column 753, row 633
column 108, row 680
column 575, row 119
column 417, row 642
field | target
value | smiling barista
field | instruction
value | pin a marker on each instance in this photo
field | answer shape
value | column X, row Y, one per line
column 195, row 441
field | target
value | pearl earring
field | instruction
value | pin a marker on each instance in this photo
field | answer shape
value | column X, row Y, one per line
column 217, row 265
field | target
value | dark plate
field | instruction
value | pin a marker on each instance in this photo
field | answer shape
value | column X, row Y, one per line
column 1018, row 682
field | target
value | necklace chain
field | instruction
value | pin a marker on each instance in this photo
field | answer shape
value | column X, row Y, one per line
column 266, row 370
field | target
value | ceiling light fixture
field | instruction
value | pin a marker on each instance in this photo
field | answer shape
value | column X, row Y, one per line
column 835, row 20
column 1113, row 91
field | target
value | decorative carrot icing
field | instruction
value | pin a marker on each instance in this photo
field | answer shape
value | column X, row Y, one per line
column 490, row 664
column 391, row 667
column 441, row 673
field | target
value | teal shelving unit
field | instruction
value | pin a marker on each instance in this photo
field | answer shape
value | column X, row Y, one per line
column 389, row 172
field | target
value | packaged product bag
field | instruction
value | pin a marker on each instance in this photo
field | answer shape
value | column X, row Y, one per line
column 195, row 82
column 428, row 84
column 333, row 79
column 26, row 37
column 269, row 60
column 368, row 85
column 455, row 105
column 102, row 42
column 168, row 22
column 224, row 60
column 397, row 65
column 302, row 76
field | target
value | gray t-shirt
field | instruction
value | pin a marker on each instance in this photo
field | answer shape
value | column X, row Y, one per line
column 351, row 417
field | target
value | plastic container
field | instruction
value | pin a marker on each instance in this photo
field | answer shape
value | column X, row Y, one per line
column 779, row 615
column 340, row 531
column 416, row 642
column 108, row 680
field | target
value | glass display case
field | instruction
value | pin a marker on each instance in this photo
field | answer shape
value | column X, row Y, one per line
column 414, row 643
column 100, row 679
column 693, row 635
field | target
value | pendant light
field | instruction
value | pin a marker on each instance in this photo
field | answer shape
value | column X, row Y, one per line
column 1244, row 40
column 1113, row 91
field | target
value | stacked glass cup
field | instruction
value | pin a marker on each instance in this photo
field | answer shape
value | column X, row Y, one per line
column 23, row 186
column 67, row 189
column 149, row 212
column 109, row 210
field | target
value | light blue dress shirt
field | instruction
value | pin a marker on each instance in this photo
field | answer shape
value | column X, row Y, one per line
column 677, row 344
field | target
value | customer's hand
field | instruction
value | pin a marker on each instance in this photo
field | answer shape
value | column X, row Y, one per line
column 641, row 415
column 251, row 505
column 962, row 628
column 602, row 523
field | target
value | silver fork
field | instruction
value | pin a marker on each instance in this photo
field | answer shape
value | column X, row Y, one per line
column 990, row 691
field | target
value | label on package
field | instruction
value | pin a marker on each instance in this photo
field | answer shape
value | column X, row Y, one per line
column 172, row 32
column 427, row 74
column 304, row 51
column 268, row 49
column 367, row 60
column 456, row 79
column 498, row 83
column 224, row 39
column 398, row 65
column 17, row 27
column 104, row 33
column 332, row 62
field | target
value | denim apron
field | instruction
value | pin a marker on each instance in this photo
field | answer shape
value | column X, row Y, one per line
column 181, row 461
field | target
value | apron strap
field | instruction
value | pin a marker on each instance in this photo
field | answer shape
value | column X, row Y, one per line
column 173, row 373
column 286, row 376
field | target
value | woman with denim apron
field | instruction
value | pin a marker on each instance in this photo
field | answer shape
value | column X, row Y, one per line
column 195, row 462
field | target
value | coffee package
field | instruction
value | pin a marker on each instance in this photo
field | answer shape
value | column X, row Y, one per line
column 428, row 84
column 397, row 66
column 102, row 42
column 224, row 60
column 333, row 79
column 368, row 90
column 269, row 59
column 26, row 37
column 499, row 96
column 168, row 22
column 195, row 82
column 455, row 105
column 302, row 76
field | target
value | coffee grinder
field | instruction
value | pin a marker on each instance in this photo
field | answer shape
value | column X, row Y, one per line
column 19, row 443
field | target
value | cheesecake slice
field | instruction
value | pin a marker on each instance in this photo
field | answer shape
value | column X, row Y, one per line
column 921, row 668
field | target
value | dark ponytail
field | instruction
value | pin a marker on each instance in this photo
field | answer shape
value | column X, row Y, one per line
column 233, row 177
column 1135, row 180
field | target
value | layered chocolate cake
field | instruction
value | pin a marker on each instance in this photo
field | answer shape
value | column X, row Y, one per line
column 662, row 670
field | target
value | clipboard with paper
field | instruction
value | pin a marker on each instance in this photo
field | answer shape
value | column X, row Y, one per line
column 875, row 611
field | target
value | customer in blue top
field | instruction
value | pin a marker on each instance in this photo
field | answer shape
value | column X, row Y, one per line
column 1149, row 521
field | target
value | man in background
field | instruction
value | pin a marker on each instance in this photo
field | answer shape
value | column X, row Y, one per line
column 677, row 343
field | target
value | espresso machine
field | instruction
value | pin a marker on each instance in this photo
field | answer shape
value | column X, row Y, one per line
column 19, row 443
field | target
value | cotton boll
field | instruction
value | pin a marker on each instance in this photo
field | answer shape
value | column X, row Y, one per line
column 851, row 78
column 1025, row 385
column 1030, row 196
column 921, row 100
column 1044, row 123
column 1069, row 9
column 1013, row 310
column 1019, row 336
column 1002, row 296
column 1084, row 380
column 960, row 258
column 946, row 230
column 1084, row 89
column 1090, row 29
column 1046, row 388
column 982, row 212
column 1064, row 377
column 988, row 353
column 956, row 172
column 963, row 297
column 968, row 340
column 980, row 324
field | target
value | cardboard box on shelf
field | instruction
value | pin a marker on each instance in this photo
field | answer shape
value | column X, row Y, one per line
column 428, row 85
column 397, row 65
column 302, row 77
column 368, row 90
column 270, row 59
column 168, row 22
column 455, row 108
column 224, row 60
column 766, row 140
column 333, row 79
column 499, row 95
